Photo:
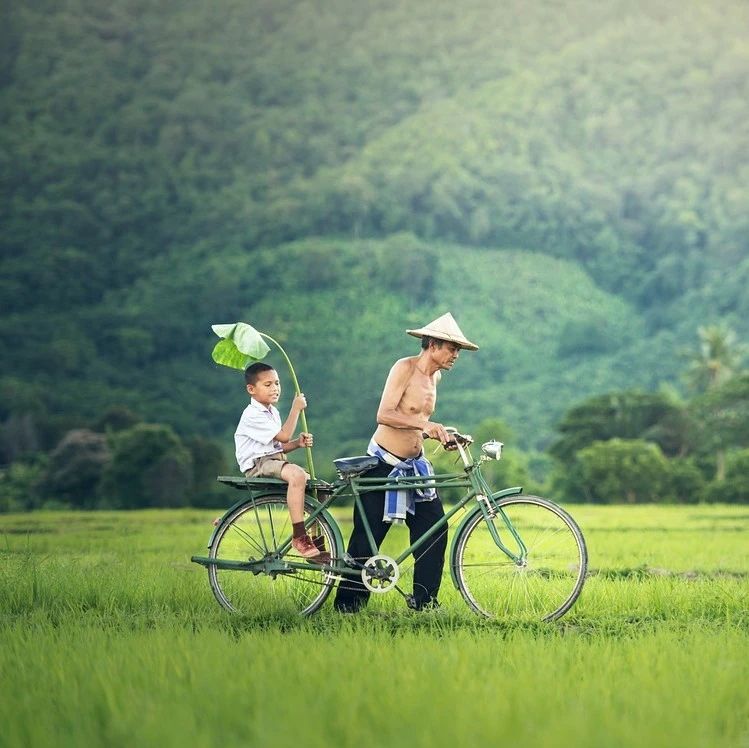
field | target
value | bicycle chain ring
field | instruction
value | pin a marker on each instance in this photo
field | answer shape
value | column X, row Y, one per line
column 380, row 573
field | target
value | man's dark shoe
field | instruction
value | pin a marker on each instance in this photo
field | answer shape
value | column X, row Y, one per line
column 347, row 607
column 424, row 605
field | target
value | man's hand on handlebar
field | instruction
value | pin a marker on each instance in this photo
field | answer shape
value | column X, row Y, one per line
column 437, row 431
column 457, row 438
column 449, row 437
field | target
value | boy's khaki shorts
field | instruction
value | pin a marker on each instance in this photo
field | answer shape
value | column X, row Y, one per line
column 269, row 466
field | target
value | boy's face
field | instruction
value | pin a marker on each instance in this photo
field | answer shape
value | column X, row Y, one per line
column 267, row 388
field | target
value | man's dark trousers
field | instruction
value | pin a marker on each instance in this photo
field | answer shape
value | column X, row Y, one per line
column 352, row 595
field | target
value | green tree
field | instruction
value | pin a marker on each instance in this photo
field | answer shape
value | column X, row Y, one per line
column 717, row 358
column 150, row 467
column 75, row 468
column 687, row 481
column 115, row 418
column 734, row 487
column 723, row 417
column 20, row 483
column 19, row 437
column 622, row 415
column 628, row 470
column 152, row 177
column 208, row 463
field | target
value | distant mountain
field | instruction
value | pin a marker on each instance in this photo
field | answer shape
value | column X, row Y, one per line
column 570, row 181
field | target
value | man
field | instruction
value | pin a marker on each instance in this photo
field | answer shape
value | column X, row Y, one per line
column 403, row 422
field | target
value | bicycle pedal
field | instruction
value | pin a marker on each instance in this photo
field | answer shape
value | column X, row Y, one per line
column 349, row 560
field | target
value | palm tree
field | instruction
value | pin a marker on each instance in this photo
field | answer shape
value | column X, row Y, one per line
column 717, row 359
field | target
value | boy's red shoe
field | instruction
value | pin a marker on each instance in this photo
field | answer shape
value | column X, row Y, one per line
column 305, row 547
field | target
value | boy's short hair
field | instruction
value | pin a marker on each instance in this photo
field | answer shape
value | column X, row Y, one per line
column 253, row 371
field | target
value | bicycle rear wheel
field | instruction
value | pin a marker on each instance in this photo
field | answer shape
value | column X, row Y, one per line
column 542, row 583
column 254, row 532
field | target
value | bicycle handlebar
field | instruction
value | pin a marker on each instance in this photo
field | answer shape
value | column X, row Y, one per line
column 464, row 439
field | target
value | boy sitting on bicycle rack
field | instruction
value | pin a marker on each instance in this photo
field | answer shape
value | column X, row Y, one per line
column 261, row 443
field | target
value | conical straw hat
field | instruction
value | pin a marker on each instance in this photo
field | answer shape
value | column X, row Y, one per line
column 445, row 328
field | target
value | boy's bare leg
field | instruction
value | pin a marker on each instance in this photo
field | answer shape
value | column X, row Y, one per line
column 296, row 477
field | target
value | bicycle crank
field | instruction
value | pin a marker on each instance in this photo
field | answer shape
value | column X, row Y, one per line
column 380, row 573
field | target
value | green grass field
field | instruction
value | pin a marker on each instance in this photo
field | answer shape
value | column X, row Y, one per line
column 110, row 636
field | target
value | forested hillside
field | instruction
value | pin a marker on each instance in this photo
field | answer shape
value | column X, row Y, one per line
column 570, row 180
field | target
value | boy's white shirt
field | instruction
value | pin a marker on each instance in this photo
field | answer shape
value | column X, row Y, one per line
column 254, row 435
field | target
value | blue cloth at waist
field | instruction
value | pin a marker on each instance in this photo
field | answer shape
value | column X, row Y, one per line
column 399, row 502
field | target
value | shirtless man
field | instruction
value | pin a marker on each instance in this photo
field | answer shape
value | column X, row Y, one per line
column 403, row 422
column 409, row 398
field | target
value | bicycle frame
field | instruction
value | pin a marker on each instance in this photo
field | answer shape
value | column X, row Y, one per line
column 469, row 478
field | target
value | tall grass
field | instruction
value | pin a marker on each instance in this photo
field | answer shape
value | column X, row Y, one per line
column 109, row 636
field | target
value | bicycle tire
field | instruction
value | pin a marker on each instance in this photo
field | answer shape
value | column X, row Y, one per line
column 254, row 531
column 543, row 588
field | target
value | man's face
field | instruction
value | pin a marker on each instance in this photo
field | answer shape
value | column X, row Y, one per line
column 267, row 388
column 444, row 353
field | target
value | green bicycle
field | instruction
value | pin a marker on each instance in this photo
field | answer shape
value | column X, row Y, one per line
column 512, row 555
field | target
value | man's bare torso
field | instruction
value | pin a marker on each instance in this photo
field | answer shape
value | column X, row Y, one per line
column 418, row 397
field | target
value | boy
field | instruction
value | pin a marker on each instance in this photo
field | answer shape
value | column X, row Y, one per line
column 261, row 443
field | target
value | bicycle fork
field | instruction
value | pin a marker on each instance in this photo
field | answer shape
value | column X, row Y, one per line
column 491, row 512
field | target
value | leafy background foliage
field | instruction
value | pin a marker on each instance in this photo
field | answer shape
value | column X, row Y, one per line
column 571, row 182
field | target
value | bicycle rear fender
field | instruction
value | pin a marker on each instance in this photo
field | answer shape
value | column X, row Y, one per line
column 260, row 495
column 514, row 491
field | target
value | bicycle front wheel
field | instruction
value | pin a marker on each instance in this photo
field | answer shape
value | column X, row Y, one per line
column 254, row 532
column 545, row 572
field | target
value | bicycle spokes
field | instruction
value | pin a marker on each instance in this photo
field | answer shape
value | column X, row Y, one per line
column 277, row 579
column 539, row 584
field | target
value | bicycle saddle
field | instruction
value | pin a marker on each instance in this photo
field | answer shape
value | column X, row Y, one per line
column 348, row 466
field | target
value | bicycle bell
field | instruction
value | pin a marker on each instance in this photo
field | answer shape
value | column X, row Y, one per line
column 492, row 449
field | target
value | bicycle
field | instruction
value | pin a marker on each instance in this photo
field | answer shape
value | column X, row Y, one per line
column 512, row 554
